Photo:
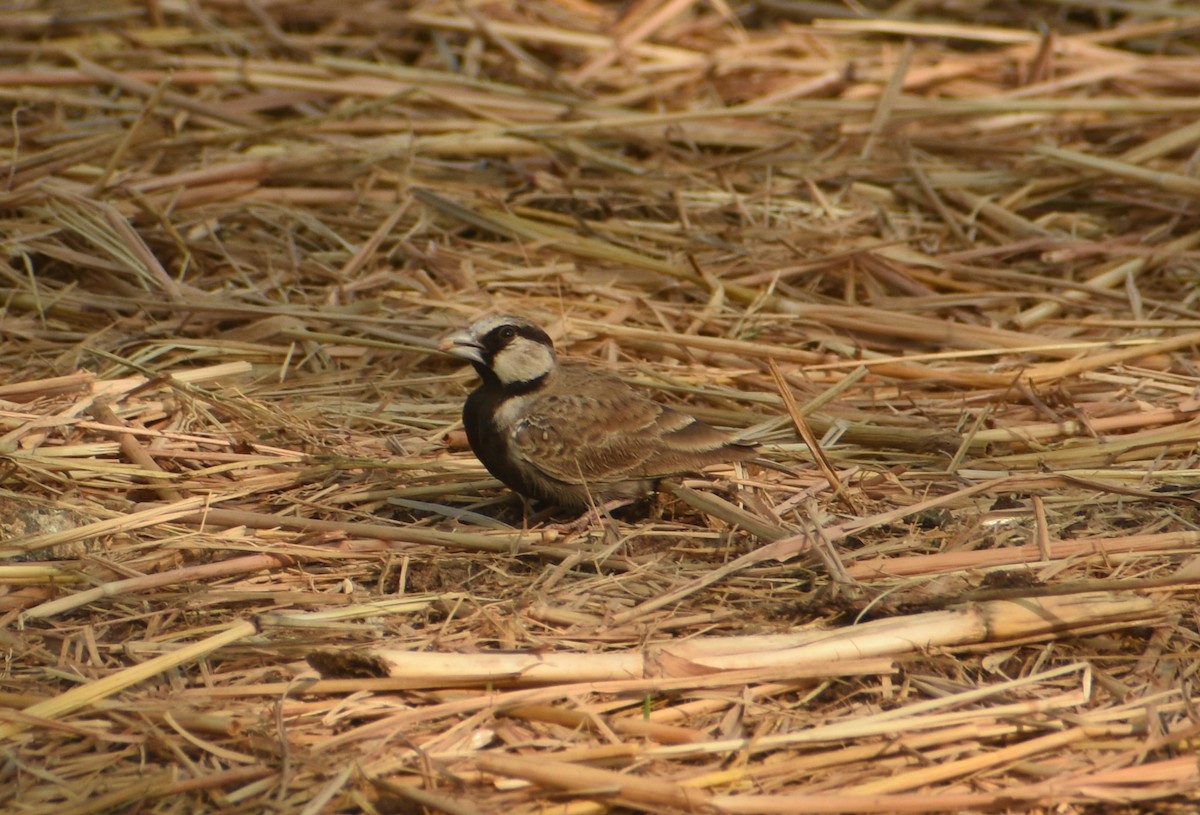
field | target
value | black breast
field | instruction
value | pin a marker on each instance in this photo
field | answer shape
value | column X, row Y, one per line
column 490, row 443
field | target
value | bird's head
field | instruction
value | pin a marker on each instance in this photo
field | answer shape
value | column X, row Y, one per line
column 507, row 349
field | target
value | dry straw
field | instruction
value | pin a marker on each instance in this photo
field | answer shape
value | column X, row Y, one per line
column 940, row 265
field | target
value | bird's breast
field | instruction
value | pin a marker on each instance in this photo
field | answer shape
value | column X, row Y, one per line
column 509, row 414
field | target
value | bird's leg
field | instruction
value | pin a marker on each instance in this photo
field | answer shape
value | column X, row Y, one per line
column 601, row 515
column 595, row 514
column 541, row 516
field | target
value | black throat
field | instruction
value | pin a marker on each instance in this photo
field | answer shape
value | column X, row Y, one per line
column 493, row 383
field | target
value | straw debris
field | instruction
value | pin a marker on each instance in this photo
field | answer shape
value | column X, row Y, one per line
column 940, row 262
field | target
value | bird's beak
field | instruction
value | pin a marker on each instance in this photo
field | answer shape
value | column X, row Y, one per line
column 463, row 344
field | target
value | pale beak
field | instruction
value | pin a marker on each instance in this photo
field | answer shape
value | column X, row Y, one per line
column 463, row 344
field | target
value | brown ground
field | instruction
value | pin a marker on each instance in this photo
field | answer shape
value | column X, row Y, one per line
column 953, row 245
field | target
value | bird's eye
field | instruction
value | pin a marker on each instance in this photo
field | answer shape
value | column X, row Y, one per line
column 507, row 333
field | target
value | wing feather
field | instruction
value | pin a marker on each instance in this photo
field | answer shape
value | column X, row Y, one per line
column 590, row 428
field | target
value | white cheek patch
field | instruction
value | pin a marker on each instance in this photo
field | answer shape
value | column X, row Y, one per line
column 522, row 361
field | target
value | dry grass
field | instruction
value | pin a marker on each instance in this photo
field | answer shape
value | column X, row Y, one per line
column 250, row 565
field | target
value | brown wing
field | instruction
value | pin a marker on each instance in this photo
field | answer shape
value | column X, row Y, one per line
column 686, row 444
column 586, row 428
column 591, row 428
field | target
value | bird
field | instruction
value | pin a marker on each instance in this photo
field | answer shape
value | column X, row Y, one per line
column 567, row 433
